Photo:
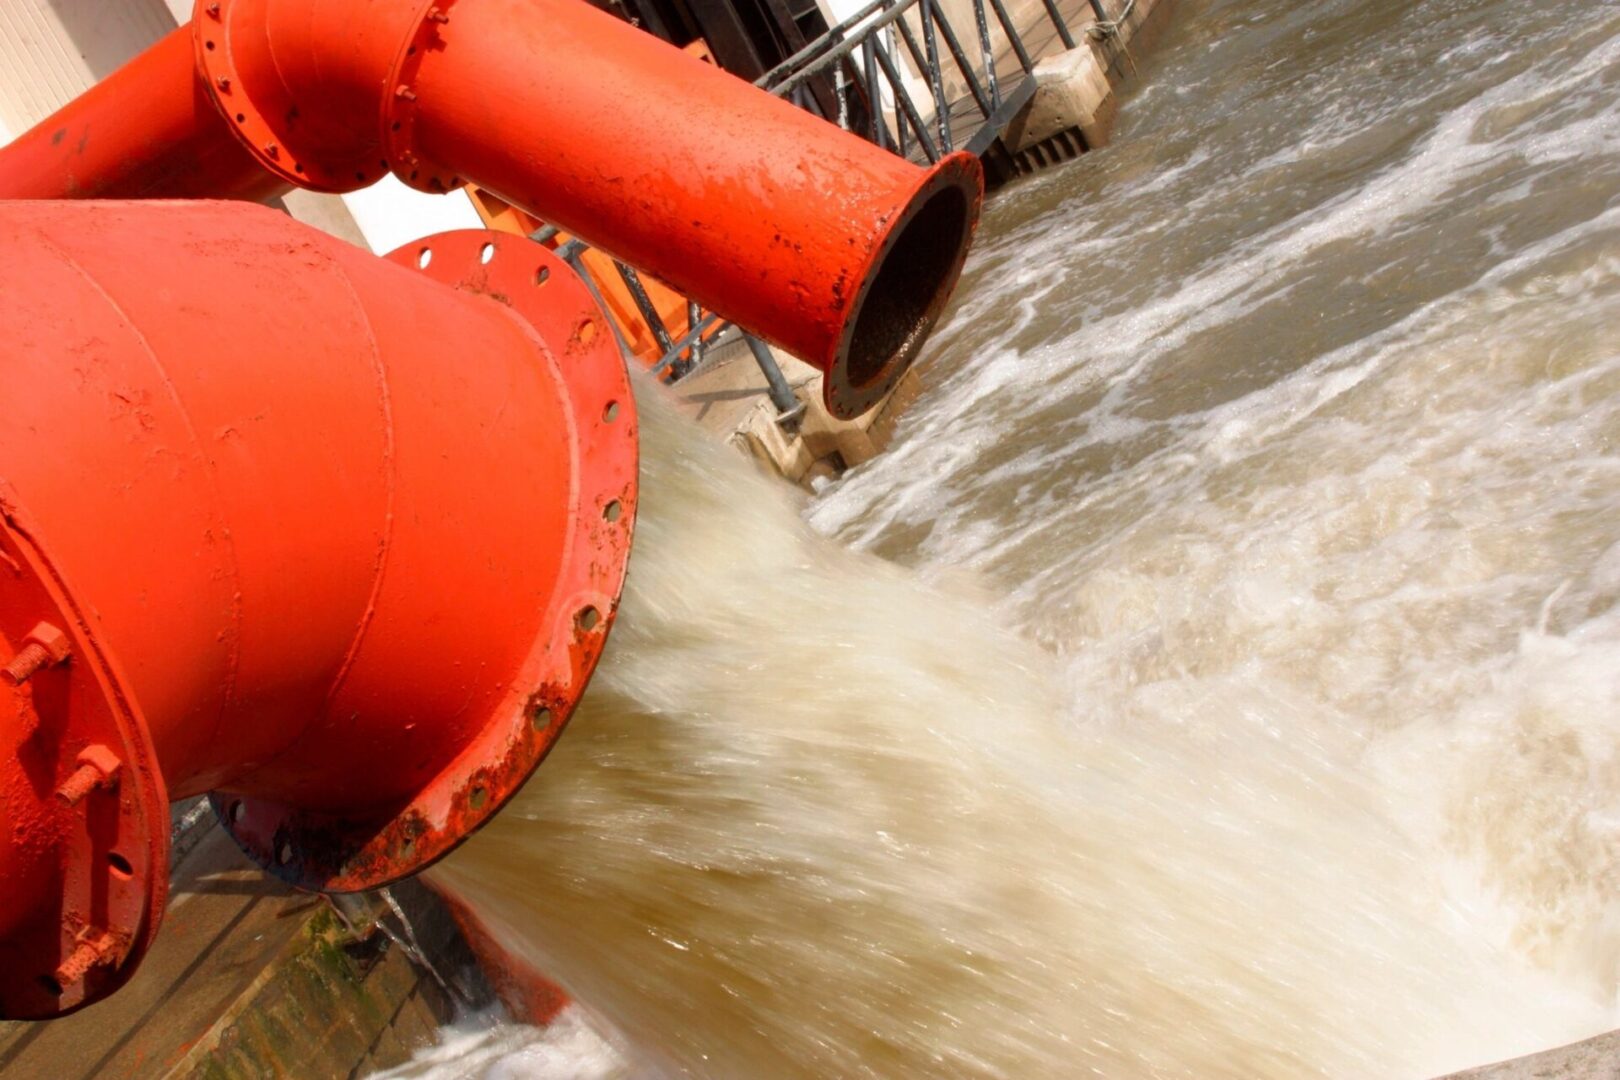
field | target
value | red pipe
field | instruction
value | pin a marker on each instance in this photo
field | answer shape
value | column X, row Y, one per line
column 149, row 130
column 810, row 237
column 736, row 198
column 255, row 543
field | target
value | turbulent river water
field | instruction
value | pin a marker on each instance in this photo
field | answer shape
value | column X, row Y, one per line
column 1221, row 674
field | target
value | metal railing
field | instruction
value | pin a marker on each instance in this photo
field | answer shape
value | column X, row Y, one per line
column 680, row 355
column 856, row 52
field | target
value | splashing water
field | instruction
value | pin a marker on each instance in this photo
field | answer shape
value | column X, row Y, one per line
column 1238, row 690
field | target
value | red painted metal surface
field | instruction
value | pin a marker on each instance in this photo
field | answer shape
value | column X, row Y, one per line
column 839, row 252
column 328, row 538
column 747, row 204
column 151, row 129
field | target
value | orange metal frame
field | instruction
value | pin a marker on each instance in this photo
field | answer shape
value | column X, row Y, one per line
column 618, row 303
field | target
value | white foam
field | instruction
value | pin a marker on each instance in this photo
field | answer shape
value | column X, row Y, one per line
column 1259, row 719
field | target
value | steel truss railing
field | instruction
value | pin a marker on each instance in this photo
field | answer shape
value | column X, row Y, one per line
column 875, row 101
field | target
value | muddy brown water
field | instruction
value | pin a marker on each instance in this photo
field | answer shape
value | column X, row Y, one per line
column 1220, row 676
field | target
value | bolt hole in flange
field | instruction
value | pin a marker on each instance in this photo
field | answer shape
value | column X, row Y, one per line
column 120, row 865
column 601, row 389
column 284, row 854
column 237, row 812
column 424, row 258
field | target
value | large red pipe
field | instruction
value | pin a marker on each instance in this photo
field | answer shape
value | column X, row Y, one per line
column 838, row 251
column 282, row 522
column 152, row 130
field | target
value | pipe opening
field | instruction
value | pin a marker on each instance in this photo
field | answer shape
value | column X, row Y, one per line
column 909, row 289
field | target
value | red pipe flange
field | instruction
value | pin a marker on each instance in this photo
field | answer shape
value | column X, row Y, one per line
column 85, row 847
column 399, row 113
column 325, row 537
column 329, row 852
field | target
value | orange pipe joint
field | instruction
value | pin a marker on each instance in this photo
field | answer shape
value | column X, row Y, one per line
column 839, row 252
column 336, row 541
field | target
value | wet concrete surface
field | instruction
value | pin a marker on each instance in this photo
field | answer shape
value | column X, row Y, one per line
column 226, row 922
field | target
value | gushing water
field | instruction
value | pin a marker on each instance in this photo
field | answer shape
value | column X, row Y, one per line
column 1229, row 683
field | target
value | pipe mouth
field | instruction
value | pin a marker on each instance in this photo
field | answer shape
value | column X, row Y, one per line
column 905, row 288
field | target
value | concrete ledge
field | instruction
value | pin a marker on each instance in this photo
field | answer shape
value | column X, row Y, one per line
column 1074, row 104
column 729, row 397
column 1589, row 1060
column 252, row 979
column 1072, row 91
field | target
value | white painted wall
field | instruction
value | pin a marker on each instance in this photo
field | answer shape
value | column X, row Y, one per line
column 391, row 215
column 52, row 50
column 836, row 11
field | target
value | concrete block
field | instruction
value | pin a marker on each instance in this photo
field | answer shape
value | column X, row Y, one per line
column 774, row 448
column 1072, row 90
column 728, row 396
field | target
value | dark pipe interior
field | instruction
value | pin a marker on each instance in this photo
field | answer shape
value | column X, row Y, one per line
column 908, row 293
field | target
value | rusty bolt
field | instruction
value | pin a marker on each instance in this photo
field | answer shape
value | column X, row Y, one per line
column 95, row 948
column 213, row 11
column 272, row 149
column 45, row 645
column 438, row 16
column 223, row 83
column 405, row 92
column 32, row 657
column 98, row 767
